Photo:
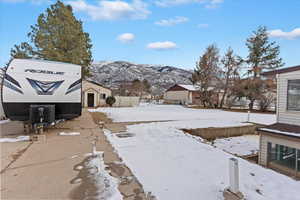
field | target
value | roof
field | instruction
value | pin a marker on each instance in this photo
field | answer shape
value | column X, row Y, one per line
column 281, row 71
column 93, row 82
column 189, row 87
column 192, row 88
column 283, row 129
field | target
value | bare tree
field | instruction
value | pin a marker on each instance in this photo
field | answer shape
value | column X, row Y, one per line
column 206, row 73
column 229, row 73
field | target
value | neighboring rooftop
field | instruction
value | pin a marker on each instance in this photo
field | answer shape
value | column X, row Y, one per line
column 283, row 129
column 189, row 87
column 280, row 71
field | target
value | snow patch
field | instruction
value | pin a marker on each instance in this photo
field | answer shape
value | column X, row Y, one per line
column 241, row 145
column 4, row 121
column 107, row 185
column 17, row 139
column 69, row 134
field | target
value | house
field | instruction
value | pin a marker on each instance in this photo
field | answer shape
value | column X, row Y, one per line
column 94, row 94
column 271, row 75
column 182, row 94
column 280, row 142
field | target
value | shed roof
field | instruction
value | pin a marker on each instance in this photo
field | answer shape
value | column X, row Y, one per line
column 98, row 84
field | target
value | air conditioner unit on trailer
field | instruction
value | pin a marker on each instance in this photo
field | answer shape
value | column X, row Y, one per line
column 40, row 91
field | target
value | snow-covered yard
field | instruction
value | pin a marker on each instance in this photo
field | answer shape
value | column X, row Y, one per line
column 174, row 165
column 241, row 145
column 151, row 112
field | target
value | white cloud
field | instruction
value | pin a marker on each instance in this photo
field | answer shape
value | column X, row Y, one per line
column 203, row 25
column 112, row 10
column 126, row 37
column 294, row 34
column 31, row 1
column 172, row 21
column 213, row 3
column 162, row 45
column 208, row 3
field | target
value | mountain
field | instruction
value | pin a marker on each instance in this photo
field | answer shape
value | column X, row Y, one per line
column 160, row 77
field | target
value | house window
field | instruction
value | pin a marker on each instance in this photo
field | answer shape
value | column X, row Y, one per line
column 103, row 96
column 284, row 156
column 293, row 95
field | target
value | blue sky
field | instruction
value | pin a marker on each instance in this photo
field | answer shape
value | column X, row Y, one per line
column 171, row 32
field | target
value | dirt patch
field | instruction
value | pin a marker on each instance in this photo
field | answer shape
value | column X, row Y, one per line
column 252, row 158
column 223, row 132
column 100, row 117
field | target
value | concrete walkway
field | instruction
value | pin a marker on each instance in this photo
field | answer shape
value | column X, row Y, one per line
column 45, row 170
column 11, row 128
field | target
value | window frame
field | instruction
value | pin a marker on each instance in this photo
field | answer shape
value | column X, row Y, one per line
column 287, row 96
column 103, row 96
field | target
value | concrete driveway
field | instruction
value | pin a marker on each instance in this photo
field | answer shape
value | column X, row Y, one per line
column 11, row 128
column 45, row 169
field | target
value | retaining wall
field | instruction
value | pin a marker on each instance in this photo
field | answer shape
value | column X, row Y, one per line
column 224, row 132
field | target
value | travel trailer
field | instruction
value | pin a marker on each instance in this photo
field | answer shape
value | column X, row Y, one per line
column 40, row 91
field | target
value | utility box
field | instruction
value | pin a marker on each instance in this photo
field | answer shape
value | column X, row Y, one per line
column 42, row 114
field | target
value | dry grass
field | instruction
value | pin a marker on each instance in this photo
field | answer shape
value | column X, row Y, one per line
column 100, row 117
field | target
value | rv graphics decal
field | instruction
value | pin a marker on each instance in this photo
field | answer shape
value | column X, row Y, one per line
column 44, row 87
column 11, row 83
column 44, row 71
column 74, row 86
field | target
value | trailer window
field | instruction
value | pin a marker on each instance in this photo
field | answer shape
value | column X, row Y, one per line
column 293, row 96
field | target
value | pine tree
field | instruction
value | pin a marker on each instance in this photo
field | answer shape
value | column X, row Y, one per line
column 263, row 54
column 57, row 36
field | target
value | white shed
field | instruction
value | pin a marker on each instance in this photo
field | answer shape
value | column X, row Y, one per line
column 94, row 94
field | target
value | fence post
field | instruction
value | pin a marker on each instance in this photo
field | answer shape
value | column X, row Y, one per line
column 233, row 175
column 232, row 192
column 248, row 117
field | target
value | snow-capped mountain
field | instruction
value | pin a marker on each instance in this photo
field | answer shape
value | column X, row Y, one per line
column 161, row 77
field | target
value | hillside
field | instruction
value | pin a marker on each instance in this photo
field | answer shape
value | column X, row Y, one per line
column 112, row 74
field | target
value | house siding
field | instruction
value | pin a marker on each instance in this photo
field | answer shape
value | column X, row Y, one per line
column 178, row 95
column 285, row 116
